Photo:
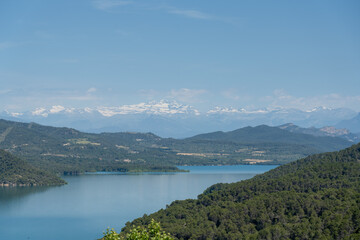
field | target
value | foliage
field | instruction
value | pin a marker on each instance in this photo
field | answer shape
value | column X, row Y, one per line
column 110, row 234
column 266, row 134
column 152, row 231
column 15, row 172
column 317, row 197
column 68, row 151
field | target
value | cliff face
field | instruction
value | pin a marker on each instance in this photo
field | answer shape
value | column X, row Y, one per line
column 17, row 172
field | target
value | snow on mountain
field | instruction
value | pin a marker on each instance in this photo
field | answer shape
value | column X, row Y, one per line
column 226, row 110
column 317, row 109
column 173, row 119
column 217, row 110
column 40, row 112
column 157, row 108
column 14, row 114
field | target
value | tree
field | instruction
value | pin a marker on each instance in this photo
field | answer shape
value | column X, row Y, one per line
column 153, row 231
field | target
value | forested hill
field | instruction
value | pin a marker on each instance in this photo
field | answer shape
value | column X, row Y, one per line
column 266, row 134
column 16, row 172
column 317, row 197
column 68, row 151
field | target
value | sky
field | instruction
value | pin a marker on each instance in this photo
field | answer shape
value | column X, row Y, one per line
column 205, row 53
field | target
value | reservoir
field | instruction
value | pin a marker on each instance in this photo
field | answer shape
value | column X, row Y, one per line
column 90, row 203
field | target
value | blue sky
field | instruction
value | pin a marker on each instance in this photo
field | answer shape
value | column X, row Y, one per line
column 205, row 53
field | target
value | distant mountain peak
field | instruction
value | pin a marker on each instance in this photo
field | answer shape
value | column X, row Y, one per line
column 232, row 110
column 14, row 114
column 224, row 110
column 40, row 112
column 353, row 124
column 324, row 131
column 176, row 119
column 162, row 107
column 320, row 108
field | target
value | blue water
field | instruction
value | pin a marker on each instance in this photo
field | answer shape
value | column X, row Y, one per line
column 90, row 203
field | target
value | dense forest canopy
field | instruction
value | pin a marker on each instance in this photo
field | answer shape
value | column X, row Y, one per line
column 17, row 172
column 317, row 197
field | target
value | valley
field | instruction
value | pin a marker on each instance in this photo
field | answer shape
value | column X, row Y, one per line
column 179, row 120
column 67, row 151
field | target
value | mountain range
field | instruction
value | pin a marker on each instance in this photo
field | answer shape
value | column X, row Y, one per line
column 266, row 134
column 352, row 124
column 69, row 151
column 324, row 131
column 172, row 119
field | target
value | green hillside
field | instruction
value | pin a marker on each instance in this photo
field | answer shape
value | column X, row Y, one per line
column 317, row 197
column 266, row 134
column 68, row 151
column 16, row 172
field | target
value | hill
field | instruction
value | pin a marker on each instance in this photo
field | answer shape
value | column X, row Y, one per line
column 266, row 134
column 328, row 131
column 16, row 172
column 352, row 124
column 317, row 197
column 68, row 151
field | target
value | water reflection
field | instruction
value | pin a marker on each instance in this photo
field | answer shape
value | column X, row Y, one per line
column 8, row 194
column 89, row 204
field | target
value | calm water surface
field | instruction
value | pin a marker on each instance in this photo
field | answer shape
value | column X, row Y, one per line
column 89, row 204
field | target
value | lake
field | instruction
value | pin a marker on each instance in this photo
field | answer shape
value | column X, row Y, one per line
column 90, row 203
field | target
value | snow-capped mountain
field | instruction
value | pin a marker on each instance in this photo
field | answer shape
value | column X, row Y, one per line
column 227, row 110
column 154, row 108
column 317, row 117
column 173, row 119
